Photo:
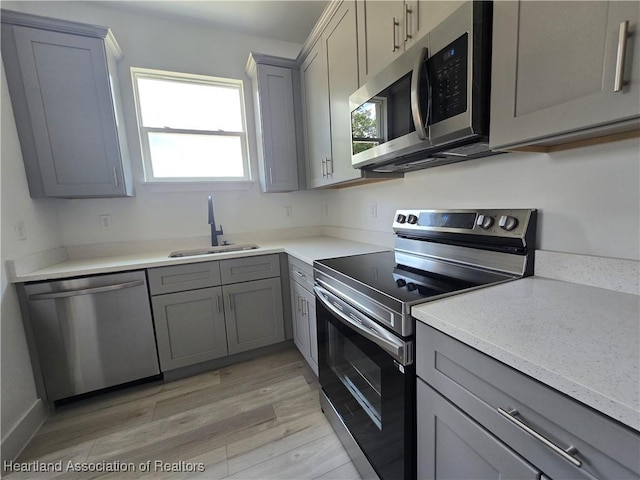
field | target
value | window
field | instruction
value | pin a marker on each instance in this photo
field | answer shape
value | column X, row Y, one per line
column 192, row 127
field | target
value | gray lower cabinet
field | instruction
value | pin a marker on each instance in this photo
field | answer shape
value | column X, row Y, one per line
column 190, row 327
column 254, row 314
column 560, row 72
column 63, row 81
column 207, row 310
column 303, row 309
column 570, row 440
column 453, row 446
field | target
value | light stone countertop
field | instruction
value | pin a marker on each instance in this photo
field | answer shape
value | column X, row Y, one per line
column 583, row 341
column 306, row 249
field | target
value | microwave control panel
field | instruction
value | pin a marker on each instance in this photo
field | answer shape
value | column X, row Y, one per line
column 448, row 75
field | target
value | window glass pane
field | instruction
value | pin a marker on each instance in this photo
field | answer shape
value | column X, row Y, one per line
column 184, row 155
column 189, row 106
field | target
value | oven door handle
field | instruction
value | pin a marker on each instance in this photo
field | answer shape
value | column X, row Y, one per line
column 400, row 350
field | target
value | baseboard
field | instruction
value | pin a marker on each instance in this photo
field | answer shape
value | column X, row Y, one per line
column 17, row 439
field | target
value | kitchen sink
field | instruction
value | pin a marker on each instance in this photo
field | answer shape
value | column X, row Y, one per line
column 212, row 250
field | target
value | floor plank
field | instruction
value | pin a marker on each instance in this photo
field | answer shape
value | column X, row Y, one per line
column 256, row 419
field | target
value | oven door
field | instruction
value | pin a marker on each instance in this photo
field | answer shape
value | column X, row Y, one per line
column 368, row 375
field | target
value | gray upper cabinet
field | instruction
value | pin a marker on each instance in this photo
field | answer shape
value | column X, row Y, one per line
column 388, row 28
column 63, row 84
column 315, row 90
column 341, row 46
column 329, row 75
column 381, row 27
column 276, row 93
column 554, row 72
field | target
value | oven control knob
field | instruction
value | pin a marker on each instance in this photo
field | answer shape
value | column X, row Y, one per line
column 411, row 287
column 401, row 282
column 484, row 221
column 401, row 218
column 412, row 219
column 508, row 223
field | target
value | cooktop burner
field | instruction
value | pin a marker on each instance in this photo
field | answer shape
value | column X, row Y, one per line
column 379, row 271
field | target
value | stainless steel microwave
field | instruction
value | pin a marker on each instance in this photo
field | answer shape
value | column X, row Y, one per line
column 431, row 105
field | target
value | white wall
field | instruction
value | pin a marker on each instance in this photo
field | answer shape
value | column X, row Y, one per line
column 588, row 198
column 155, row 42
column 43, row 233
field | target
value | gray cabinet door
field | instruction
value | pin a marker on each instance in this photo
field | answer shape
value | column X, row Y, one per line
column 300, row 323
column 554, row 68
column 341, row 46
column 380, row 34
column 277, row 128
column 190, row 327
column 451, row 445
column 254, row 314
column 315, row 95
column 63, row 84
column 309, row 315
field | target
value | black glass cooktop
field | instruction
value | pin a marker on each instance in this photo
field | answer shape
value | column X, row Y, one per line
column 379, row 271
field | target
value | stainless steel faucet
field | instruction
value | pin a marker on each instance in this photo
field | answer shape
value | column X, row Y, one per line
column 212, row 221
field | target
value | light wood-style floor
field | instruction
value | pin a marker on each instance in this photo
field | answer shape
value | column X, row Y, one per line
column 256, row 420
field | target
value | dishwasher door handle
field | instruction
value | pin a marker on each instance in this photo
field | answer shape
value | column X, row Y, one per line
column 85, row 291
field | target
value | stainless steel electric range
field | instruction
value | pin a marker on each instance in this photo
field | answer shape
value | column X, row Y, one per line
column 365, row 329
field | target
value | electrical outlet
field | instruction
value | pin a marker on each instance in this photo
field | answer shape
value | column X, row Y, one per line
column 21, row 230
column 288, row 212
column 373, row 209
column 105, row 222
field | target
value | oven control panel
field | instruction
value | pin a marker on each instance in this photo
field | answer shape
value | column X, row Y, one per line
column 510, row 223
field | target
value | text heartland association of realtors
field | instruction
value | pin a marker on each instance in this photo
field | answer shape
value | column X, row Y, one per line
column 103, row 467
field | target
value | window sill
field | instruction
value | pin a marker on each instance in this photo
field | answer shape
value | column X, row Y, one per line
column 196, row 186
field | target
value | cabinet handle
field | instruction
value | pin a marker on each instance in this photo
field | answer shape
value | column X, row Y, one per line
column 218, row 302
column 115, row 177
column 298, row 303
column 270, row 176
column 85, row 291
column 304, row 311
column 324, row 167
column 407, row 11
column 566, row 454
column 300, row 274
column 622, row 50
column 329, row 161
column 230, row 302
column 394, row 24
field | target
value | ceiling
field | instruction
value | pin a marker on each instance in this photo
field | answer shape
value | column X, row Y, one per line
column 289, row 20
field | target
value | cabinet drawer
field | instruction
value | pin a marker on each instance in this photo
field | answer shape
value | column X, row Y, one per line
column 249, row 268
column 479, row 385
column 179, row 278
column 301, row 273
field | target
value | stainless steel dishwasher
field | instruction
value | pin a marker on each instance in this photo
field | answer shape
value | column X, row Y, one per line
column 92, row 332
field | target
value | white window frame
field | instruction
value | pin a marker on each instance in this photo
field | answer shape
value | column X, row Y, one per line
column 241, row 182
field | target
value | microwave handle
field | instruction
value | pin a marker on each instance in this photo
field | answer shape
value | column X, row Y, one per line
column 419, row 123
